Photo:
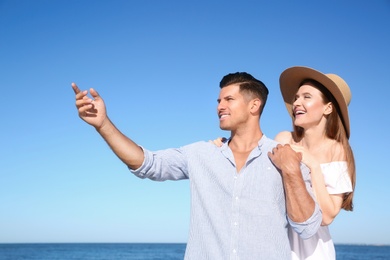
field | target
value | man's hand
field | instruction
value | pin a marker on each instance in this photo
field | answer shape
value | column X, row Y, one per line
column 286, row 159
column 92, row 111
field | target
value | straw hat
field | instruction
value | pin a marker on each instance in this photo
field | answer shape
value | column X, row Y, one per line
column 290, row 81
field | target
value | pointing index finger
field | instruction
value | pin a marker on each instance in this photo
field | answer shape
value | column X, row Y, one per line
column 75, row 88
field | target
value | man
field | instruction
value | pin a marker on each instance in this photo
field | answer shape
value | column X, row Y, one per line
column 238, row 203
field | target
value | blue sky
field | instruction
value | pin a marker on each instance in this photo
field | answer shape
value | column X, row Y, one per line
column 157, row 64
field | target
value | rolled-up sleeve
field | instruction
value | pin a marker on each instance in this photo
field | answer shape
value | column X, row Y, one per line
column 308, row 228
column 168, row 164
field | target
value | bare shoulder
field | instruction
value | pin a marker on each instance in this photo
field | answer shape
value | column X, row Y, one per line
column 284, row 137
column 337, row 152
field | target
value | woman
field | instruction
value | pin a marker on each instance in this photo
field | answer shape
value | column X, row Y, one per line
column 317, row 104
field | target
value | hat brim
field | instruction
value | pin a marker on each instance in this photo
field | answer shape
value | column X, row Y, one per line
column 290, row 81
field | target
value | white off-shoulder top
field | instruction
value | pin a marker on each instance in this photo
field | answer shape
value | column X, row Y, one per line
column 320, row 246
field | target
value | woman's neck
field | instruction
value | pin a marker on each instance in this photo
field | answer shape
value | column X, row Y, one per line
column 314, row 140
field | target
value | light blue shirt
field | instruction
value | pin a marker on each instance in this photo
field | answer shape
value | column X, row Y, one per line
column 233, row 215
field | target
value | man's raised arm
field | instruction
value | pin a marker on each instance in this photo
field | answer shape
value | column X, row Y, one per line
column 93, row 112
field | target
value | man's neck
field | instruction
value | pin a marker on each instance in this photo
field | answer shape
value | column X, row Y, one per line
column 242, row 145
column 245, row 142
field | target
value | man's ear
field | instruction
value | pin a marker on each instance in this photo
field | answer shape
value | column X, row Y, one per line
column 255, row 105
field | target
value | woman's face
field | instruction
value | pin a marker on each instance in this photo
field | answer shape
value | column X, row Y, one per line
column 308, row 108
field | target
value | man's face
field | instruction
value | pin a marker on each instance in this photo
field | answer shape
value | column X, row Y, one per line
column 233, row 109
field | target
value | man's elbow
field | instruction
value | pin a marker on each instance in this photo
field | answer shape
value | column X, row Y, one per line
column 310, row 227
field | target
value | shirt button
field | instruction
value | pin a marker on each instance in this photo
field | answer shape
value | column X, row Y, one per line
column 236, row 197
column 235, row 223
column 234, row 251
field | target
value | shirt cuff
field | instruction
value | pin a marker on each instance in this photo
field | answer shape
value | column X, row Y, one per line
column 141, row 171
column 309, row 227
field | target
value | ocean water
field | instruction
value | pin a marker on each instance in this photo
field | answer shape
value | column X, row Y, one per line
column 91, row 251
column 362, row 252
column 139, row 251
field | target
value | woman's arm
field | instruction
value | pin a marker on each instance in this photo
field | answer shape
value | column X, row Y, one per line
column 330, row 204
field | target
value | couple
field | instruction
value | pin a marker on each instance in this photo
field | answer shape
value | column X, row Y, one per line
column 250, row 194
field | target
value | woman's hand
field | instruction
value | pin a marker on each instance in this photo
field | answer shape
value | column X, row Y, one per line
column 219, row 141
column 307, row 158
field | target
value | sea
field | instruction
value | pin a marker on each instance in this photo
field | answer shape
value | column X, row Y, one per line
column 147, row 251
